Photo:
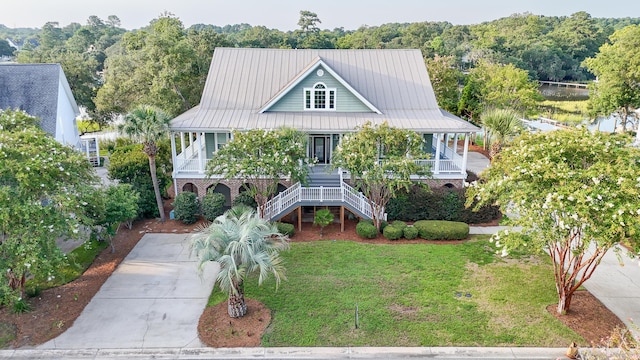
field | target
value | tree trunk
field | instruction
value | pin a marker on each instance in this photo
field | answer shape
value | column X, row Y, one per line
column 564, row 302
column 236, row 307
column 156, row 187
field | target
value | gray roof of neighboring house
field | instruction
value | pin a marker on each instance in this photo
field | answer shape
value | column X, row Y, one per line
column 34, row 89
column 243, row 82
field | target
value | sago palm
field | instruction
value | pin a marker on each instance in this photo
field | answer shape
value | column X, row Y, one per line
column 500, row 125
column 148, row 125
column 242, row 243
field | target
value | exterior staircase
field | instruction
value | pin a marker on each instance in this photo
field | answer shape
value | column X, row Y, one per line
column 323, row 188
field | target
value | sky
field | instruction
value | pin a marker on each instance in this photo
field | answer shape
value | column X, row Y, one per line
column 284, row 14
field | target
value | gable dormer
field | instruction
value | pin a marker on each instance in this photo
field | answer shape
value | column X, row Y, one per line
column 318, row 88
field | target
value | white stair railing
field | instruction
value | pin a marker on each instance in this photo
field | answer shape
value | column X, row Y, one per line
column 297, row 194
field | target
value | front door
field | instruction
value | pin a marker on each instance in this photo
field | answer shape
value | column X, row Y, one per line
column 320, row 148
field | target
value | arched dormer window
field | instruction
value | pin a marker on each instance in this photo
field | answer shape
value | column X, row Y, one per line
column 319, row 97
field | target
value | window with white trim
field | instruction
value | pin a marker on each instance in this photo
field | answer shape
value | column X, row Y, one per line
column 319, row 97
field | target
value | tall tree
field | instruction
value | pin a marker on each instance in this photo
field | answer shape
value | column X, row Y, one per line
column 576, row 194
column 44, row 189
column 381, row 161
column 262, row 158
column 242, row 243
column 617, row 66
column 148, row 125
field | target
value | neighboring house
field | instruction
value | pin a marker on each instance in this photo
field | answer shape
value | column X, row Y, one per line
column 42, row 90
column 325, row 93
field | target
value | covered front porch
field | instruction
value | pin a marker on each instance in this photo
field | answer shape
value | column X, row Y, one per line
column 191, row 151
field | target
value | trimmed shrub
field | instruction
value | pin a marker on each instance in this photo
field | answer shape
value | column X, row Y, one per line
column 399, row 224
column 410, row 232
column 366, row 230
column 442, row 230
column 212, row 205
column 392, row 232
column 244, row 198
column 185, row 207
column 286, row 229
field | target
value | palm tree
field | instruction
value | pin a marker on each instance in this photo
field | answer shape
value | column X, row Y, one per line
column 242, row 243
column 148, row 125
column 499, row 126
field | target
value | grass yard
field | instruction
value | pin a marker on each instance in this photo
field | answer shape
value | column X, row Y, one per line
column 409, row 295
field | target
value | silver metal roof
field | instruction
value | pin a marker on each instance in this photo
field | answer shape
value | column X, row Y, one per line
column 241, row 82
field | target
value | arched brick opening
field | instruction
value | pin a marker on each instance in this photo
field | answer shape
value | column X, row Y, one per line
column 449, row 185
column 190, row 187
column 222, row 189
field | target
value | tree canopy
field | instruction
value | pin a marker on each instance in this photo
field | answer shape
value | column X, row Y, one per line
column 617, row 66
column 44, row 195
column 381, row 160
column 575, row 195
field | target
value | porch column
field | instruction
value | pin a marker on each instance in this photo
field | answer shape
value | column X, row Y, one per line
column 174, row 158
column 436, row 168
column 455, row 143
column 182, row 147
column 465, row 152
column 199, row 144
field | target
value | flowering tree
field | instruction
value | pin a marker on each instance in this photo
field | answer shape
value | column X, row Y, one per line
column 381, row 160
column 577, row 195
column 262, row 158
column 44, row 194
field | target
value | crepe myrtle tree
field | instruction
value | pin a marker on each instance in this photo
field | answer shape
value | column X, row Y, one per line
column 45, row 194
column 242, row 243
column 577, row 195
column 381, row 160
column 262, row 158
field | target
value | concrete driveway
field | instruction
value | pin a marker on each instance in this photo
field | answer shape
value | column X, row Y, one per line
column 152, row 300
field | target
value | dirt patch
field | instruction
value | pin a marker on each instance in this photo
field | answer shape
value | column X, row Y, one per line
column 589, row 318
column 217, row 329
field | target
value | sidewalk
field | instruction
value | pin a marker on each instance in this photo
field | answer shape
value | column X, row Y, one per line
column 386, row 353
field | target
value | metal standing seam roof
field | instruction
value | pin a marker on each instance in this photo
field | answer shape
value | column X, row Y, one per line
column 242, row 81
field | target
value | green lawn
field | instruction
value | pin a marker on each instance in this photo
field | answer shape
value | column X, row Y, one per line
column 409, row 295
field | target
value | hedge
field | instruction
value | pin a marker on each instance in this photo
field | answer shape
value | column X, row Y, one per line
column 212, row 205
column 410, row 232
column 442, row 230
column 421, row 203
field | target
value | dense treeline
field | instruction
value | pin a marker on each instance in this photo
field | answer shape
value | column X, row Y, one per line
column 165, row 64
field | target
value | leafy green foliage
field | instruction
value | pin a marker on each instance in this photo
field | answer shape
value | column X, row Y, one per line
column 420, row 203
column 212, row 205
column 129, row 165
column 392, row 232
column 399, row 224
column 441, row 230
column 445, row 76
column 576, row 194
column 381, row 161
column 286, row 229
column 616, row 66
column 121, row 204
column 410, row 232
column 261, row 158
column 245, row 198
column 43, row 193
column 500, row 126
column 323, row 218
column 366, row 230
column 186, row 207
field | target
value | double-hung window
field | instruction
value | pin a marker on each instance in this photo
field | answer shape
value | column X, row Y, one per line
column 319, row 97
